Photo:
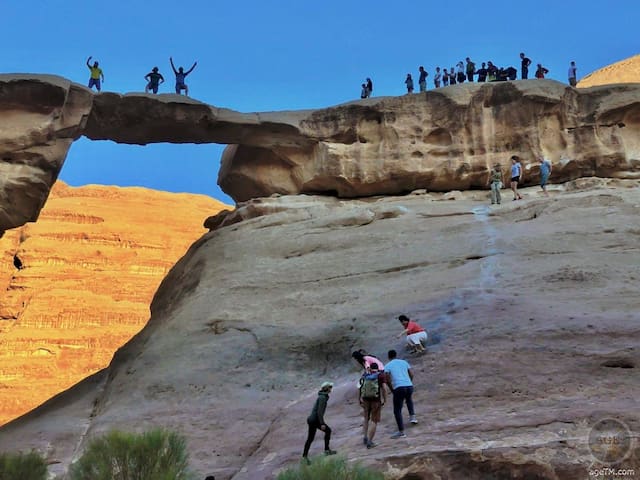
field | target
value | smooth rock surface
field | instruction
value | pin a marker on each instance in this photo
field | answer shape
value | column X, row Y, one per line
column 624, row 71
column 531, row 308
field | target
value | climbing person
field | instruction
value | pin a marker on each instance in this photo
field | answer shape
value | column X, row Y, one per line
column 482, row 73
column 573, row 74
column 437, row 78
column 496, row 181
column 181, row 75
column 524, row 66
column 545, row 171
column 460, row 76
column 416, row 336
column 422, row 79
column 96, row 74
column 369, row 85
column 541, row 71
column 471, row 69
column 365, row 360
column 154, row 79
column 445, row 78
column 400, row 378
column 409, row 83
column 371, row 397
column 516, row 176
column 315, row 421
column 363, row 92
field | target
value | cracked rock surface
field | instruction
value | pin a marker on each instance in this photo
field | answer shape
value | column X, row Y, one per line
column 531, row 309
column 445, row 139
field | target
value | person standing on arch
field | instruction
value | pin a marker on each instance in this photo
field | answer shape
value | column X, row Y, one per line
column 369, row 87
column 181, row 75
column 541, row 71
column 96, row 74
column 409, row 83
column 573, row 74
column 154, row 79
column 437, row 78
column 422, row 80
column 524, row 67
column 471, row 69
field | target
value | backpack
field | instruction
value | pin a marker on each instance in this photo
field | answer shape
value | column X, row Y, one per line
column 370, row 386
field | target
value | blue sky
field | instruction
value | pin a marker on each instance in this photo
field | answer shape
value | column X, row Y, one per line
column 280, row 55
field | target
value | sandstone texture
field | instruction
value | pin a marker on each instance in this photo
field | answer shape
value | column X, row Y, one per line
column 624, row 71
column 532, row 314
column 445, row 139
column 76, row 285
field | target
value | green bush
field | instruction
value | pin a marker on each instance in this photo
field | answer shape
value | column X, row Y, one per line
column 154, row 455
column 25, row 466
column 334, row 468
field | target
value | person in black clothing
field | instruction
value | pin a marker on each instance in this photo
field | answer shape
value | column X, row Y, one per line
column 316, row 421
column 154, row 79
column 452, row 76
column 482, row 73
column 524, row 66
column 511, row 73
column 541, row 71
column 369, row 87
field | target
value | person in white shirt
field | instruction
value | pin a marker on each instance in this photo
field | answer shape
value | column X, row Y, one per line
column 437, row 78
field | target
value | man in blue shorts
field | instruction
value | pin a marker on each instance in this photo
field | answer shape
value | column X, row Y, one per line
column 180, row 77
column 96, row 74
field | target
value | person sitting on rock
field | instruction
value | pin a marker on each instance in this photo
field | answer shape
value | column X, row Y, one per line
column 365, row 360
column 154, row 79
column 315, row 421
column 416, row 335
column 181, row 75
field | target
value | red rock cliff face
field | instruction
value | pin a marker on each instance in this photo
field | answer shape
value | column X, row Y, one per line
column 77, row 285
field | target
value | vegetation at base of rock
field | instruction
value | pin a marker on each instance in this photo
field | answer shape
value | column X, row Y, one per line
column 335, row 468
column 25, row 466
column 157, row 454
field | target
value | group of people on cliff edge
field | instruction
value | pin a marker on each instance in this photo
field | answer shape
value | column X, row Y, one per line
column 154, row 78
column 396, row 377
column 488, row 72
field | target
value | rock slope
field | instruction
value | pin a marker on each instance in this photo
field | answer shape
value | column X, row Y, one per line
column 624, row 71
column 77, row 285
column 531, row 309
column 442, row 140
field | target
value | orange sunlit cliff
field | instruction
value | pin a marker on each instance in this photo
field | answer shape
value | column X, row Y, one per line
column 76, row 285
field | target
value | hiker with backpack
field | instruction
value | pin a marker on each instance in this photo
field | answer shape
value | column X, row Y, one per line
column 365, row 360
column 416, row 335
column 315, row 421
column 471, row 69
column 371, row 396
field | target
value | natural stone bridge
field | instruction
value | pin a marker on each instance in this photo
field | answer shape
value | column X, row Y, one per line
column 443, row 140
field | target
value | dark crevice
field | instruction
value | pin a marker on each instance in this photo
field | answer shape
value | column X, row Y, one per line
column 17, row 262
column 618, row 363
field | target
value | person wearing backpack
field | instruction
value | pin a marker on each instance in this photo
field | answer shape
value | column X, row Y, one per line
column 471, row 69
column 371, row 396
column 315, row 421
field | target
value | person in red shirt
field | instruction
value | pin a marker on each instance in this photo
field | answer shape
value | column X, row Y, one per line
column 416, row 335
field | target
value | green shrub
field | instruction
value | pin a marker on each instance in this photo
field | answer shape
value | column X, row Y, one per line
column 25, row 466
column 334, row 468
column 154, row 455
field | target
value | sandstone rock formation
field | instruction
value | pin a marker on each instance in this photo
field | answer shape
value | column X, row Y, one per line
column 442, row 140
column 76, row 286
column 531, row 307
column 624, row 71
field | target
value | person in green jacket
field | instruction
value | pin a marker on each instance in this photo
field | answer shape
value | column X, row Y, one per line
column 316, row 421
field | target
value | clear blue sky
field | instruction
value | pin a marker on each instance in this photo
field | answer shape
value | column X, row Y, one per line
column 287, row 54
